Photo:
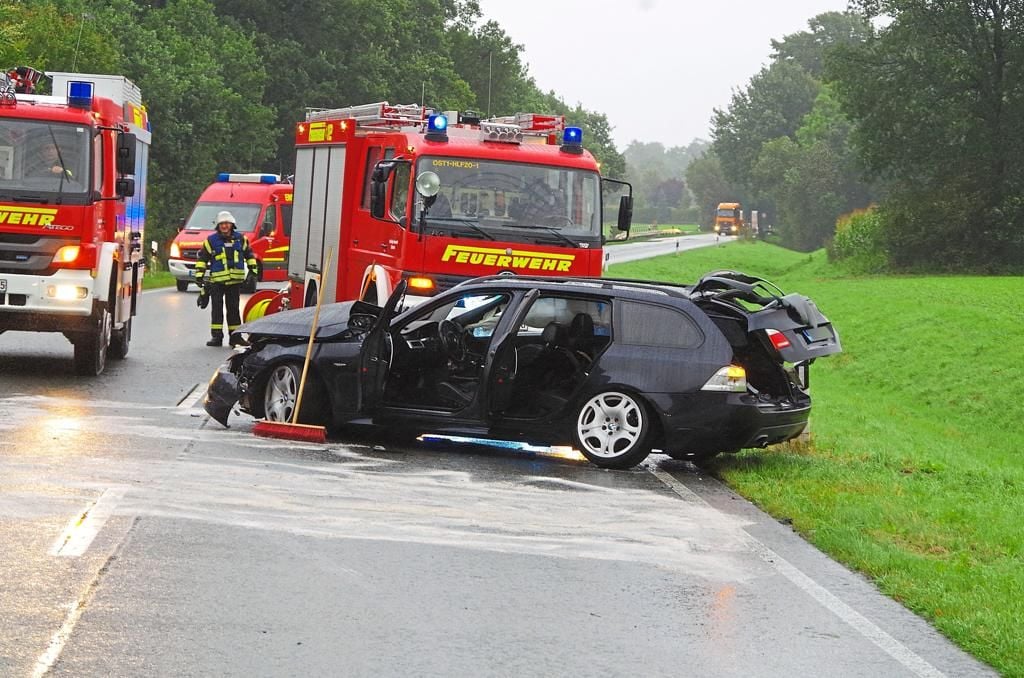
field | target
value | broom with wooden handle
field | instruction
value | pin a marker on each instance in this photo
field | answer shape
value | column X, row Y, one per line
column 294, row 430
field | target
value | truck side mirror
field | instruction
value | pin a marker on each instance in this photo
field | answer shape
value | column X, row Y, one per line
column 379, row 188
column 126, row 143
column 625, row 213
column 181, row 224
column 125, row 188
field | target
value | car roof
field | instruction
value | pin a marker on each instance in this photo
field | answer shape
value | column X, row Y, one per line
column 613, row 287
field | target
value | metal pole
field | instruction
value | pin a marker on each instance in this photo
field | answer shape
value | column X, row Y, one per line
column 490, row 59
column 81, row 25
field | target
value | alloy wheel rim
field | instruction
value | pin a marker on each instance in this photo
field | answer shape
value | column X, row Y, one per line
column 279, row 401
column 609, row 425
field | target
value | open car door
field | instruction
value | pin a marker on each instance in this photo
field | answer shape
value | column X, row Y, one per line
column 502, row 362
column 375, row 354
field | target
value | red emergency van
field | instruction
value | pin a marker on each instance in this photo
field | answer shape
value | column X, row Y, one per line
column 262, row 207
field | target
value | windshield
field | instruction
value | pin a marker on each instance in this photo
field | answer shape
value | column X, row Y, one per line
column 204, row 215
column 43, row 161
column 729, row 214
column 488, row 199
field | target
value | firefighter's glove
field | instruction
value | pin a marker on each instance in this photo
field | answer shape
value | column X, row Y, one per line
column 254, row 271
column 203, row 300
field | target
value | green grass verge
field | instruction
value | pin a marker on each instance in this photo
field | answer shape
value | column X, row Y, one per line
column 915, row 470
column 155, row 279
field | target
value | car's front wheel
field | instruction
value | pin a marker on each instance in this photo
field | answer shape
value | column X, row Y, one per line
column 281, row 391
column 613, row 430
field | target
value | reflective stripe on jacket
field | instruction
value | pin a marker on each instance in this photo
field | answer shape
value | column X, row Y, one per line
column 224, row 260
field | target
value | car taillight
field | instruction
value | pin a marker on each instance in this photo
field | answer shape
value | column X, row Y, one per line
column 75, row 256
column 731, row 378
column 778, row 339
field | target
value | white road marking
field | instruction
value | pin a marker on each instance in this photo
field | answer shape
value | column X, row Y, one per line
column 189, row 401
column 894, row 648
column 83, row 528
column 76, row 608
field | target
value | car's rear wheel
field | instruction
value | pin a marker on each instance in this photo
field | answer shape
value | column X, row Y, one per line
column 613, row 430
column 281, row 391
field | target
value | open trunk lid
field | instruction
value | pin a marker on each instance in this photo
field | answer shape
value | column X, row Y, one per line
column 792, row 323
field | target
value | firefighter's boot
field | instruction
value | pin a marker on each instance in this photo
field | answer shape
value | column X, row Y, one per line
column 237, row 340
column 216, row 340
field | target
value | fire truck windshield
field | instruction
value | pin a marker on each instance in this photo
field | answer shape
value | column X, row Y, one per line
column 205, row 214
column 514, row 201
column 44, row 161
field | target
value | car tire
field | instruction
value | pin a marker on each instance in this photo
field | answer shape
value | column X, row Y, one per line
column 182, row 285
column 612, row 429
column 280, row 390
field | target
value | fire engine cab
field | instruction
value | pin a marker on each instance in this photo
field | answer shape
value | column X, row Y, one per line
column 262, row 207
column 403, row 192
column 72, row 208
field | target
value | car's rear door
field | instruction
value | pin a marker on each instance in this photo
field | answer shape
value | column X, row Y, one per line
column 501, row 362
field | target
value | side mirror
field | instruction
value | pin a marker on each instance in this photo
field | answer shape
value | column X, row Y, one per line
column 625, row 212
column 379, row 188
column 181, row 224
column 266, row 229
column 125, row 188
column 126, row 143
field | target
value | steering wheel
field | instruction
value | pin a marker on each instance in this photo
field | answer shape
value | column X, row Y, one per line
column 558, row 220
column 449, row 335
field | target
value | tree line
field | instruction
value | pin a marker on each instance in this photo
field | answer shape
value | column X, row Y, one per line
column 890, row 133
column 225, row 81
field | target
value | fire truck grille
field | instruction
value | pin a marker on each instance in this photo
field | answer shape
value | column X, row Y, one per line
column 191, row 255
column 27, row 254
column 446, row 282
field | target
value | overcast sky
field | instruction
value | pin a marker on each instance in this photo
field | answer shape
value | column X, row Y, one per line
column 656, row 68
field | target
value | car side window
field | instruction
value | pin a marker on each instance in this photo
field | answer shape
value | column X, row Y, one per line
column 565, row 311
column 642, row 324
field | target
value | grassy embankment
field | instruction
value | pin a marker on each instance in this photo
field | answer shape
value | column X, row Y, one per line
column 915, row 470
column 154, row 279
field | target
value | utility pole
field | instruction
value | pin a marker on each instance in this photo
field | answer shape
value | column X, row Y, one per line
column 490, row 60
column 81, row 26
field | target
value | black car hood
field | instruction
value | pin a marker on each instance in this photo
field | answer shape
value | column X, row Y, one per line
column 295, row 324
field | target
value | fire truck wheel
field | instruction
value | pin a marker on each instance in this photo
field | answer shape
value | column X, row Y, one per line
column 182, row 285
column 119, row 341
column 91, row 346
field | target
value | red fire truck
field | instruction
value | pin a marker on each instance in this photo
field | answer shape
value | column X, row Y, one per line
column 72, row 208
column 437, row 198
column 262, row 207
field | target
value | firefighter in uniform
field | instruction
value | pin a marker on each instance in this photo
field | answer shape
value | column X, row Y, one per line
column 224, row 260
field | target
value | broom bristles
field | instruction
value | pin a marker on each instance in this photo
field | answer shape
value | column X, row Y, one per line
column 301, row 432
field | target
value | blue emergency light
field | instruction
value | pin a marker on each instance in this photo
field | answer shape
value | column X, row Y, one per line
column 248, row 178
column 572, row 140
column 80, row 94
column 437, row 127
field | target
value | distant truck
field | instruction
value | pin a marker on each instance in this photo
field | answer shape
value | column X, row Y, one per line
column 728, row 218
column 262, row 207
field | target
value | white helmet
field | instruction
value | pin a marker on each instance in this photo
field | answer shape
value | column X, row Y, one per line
column 223, row 216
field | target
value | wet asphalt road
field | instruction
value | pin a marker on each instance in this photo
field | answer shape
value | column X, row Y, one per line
column 138, row 538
